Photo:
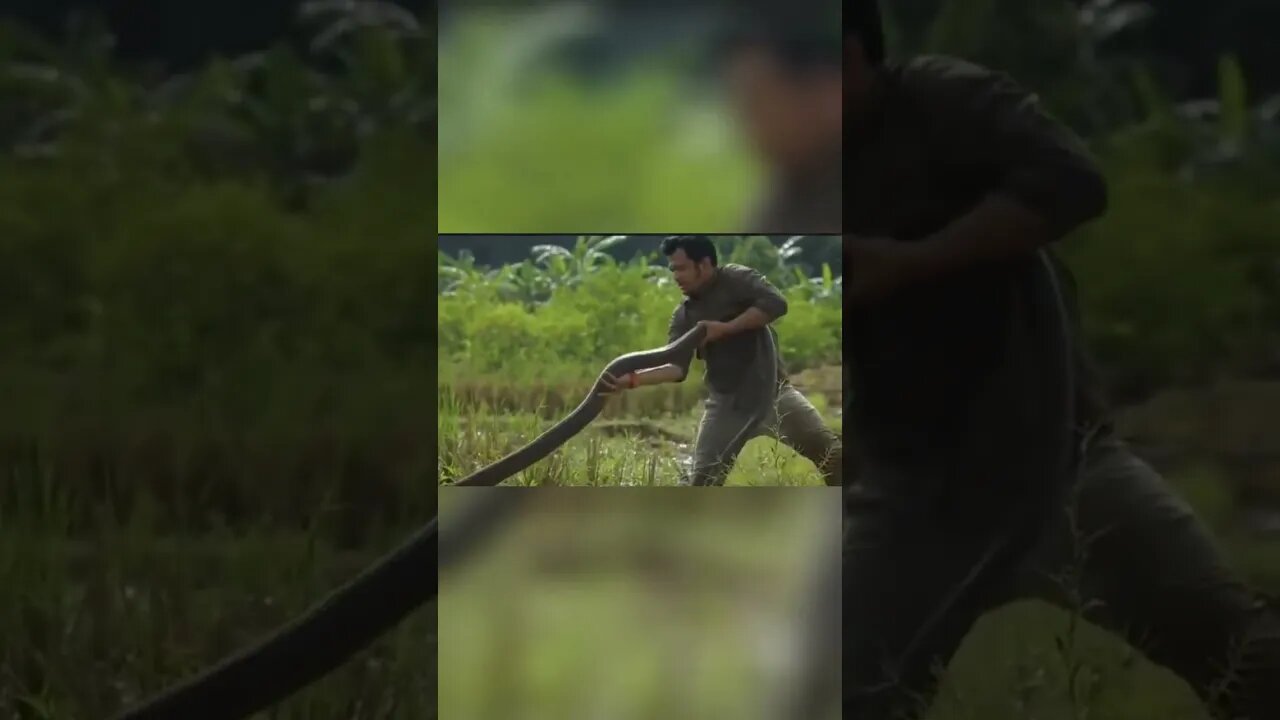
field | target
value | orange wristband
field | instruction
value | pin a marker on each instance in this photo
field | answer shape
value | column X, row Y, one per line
column 634, row 381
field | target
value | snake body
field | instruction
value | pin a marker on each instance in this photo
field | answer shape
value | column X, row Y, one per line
column 679, row 353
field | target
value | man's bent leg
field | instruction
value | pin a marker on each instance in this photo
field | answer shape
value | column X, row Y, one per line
column 800, row 426
column 1163, row 585
column 713, row 457
column 915, row 581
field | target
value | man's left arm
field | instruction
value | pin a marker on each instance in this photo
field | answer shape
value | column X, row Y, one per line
column 767, row 303
column 1048, row 183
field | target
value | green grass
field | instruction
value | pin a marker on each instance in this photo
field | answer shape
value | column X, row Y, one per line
column 95, row 615
column 94, row 619
column 1012, row 668
column 637, row 443
column 1029, row 659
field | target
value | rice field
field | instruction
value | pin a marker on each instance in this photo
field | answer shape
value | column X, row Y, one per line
column 644, row 438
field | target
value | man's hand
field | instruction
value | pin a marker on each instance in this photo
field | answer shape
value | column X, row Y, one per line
column 879, row 267
column 614, row 386
column 716, row 331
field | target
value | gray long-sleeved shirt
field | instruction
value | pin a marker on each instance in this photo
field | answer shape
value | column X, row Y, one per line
column 733, row 291
column 945, row 134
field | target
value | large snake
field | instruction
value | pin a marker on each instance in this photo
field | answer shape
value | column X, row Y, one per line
column 370, row 604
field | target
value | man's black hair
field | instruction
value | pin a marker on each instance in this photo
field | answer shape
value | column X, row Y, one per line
column 696, row 247
column 802, row 42
column 862, row 19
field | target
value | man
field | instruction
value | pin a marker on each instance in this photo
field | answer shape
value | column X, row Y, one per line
column 785, row 85
column 959, row 180
column 736, row 304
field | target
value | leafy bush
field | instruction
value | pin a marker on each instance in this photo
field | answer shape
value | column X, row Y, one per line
column 1179, row 281
column 164, row 331
column 590, row 311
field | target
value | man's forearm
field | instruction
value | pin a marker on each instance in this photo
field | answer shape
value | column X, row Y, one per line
column 999, row 228
column 750, row 319
column 659, row 375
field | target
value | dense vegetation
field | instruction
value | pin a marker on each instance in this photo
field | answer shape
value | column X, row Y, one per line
column 215, row 315
column 167, row 302
column 562, row 313
column 1181, row 280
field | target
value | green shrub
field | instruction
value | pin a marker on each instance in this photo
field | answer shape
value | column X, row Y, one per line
column 163, row 329
column 606, row 311
column 1177, row 282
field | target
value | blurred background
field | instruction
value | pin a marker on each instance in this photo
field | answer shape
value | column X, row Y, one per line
column 592, row 117
column 638, row 604
column 527, row 323
column 1181, row 103
column 1180, row 281
column 215, row 336
column 1180, row 287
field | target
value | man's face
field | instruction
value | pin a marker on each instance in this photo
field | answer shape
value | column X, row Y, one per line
column 690, row 276
column 791, row 118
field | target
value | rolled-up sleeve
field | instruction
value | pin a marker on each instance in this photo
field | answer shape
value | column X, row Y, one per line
column 751, row 287
column 987, row 119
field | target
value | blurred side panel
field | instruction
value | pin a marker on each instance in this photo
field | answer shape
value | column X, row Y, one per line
column 637, row 117
column 644, row 603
